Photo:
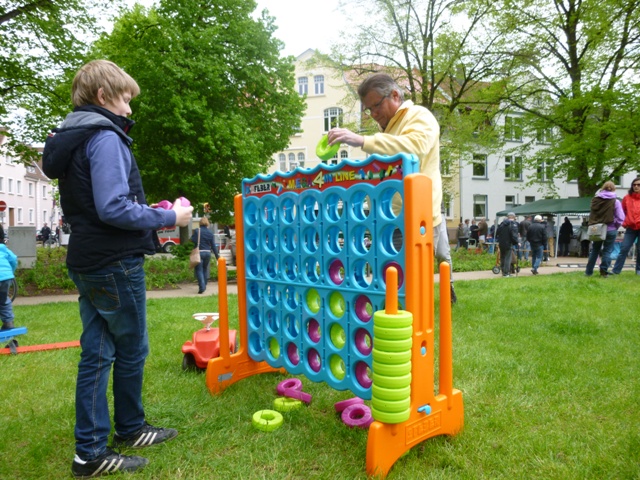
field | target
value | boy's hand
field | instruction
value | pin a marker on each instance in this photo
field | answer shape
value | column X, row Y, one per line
column 183, row 214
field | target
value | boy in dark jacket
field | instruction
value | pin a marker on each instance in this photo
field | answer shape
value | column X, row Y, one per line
column 103, row 200
column 507, row 238
column 537, row 237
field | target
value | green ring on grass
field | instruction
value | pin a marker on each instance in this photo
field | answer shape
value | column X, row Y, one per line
column 267, row 420
column 324, row 151
column 286, row 404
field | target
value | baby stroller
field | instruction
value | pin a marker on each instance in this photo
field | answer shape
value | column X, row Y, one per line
column 515, row 268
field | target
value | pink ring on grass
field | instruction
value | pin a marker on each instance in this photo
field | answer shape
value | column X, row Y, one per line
column 342, row 405
column 357, row 416
column 289, row 384
column 297, row 394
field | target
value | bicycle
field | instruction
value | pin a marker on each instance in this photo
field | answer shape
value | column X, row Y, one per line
column 52, row 241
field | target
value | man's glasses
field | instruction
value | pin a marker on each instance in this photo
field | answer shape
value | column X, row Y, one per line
column 375, row 106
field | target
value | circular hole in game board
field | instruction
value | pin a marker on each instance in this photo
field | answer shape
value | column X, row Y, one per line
column 309, row 208
column 293, row 354
column 362, row 273
column 337, row 335
column 313, row 360
column 274, row 348
column 254, row 292
column 336, row 272
column 335, row 240
column 290, row 268
column 391, row 240
column 361, row 240
column 251, row 213
column 398, row 267
column 252, row 239
column 360, row 204
column 253, row 266
column 270, row 240
column 270, row 267
column 310, row 239
column 291, row 297
column 291, row 325
column 272, row 321
column 271, row 295
column 313, row 330
column 363, row 341
column 363, row 308
column 269, row 212
column 288, row 210
column 254, row 318
column 333, row 207
column 337, row 304
column 385, row 202
column 312, row 270
column 289, row 240
column 255, row 343
column 363, row 374
column 313, row 300
column 337, row 367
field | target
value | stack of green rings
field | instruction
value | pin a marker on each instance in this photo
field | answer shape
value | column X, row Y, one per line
column 391, row 389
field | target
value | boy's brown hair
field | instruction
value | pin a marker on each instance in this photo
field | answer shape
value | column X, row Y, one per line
column 101, row 74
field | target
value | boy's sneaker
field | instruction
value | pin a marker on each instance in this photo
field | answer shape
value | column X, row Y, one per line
column 148, row 435
column 107, row 463
column 7, row 325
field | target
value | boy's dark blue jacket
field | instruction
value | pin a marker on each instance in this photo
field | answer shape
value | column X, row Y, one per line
column 94, row 242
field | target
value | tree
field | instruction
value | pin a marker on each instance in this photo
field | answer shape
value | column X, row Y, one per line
column 434, row 49
column 573, row 71
column 40, row 40
column 216, row 98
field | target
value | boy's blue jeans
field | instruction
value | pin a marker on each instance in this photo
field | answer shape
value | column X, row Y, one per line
column 630, row 237
column 536, row 256
column 114, row 333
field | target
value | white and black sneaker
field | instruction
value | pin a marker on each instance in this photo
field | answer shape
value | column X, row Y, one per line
column 148, row 435
column 107, row 463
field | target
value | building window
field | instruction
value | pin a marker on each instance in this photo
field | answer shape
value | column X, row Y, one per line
column 445, row 168
column 1, row 184
column 447, row 200
column 44, row 191
column 343, row 154
column 282, row 158
column 18, row 187
column 543, row 135
column 512, row 168
column 303, row 86
column 513, row 128
column 479, row 166
column 544, row 172
column 301, row 159
column 44, row 215
column 9, row 160
column 31, row 216
column 528, row 199
column 9, row 185
column 292, row 161
column 509, row 202
column 30, row 187
column 19, row 215
column 480, row 206
column 332, row 118
column 318, row 82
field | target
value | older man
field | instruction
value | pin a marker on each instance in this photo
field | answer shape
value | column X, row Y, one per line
column 537, row 237
column 405, row 128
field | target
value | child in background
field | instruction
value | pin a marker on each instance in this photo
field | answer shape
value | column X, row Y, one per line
column 8, row 265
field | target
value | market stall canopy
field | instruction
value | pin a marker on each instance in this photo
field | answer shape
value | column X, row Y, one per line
column 552, row 206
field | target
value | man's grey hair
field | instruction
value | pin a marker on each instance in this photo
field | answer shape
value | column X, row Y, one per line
column 380, row 83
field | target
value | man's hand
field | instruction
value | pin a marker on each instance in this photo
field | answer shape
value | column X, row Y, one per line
column 183, row 214
column 342, row 135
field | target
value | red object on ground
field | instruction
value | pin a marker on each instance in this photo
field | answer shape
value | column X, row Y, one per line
column 205, row 346
column 40, row 348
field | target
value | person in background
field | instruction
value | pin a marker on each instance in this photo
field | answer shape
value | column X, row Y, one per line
column 1, row 233
column 605, row 208
column 483, row 230
column 631, row 209
column 566, row 232
column 551, row 235
column 103, row 200
column 537, row 238
column 583, row 238
column 8, row 265
column 405, row 128
column 523, row 227
column 473, row 231
column 460, row 236
column 207, row 247
column 507, row 234
column 45, row 232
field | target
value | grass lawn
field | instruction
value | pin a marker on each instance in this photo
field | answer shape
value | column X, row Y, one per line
column 548, row 367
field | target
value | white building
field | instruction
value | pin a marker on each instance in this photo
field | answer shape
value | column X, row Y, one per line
column 27, row 192
column 481, row 185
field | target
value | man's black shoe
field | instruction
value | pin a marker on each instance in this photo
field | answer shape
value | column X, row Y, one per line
column 107, row 463
column 454, row 297
column 148, row 435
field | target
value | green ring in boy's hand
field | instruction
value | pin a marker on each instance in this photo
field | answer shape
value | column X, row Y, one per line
column 324, row 151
